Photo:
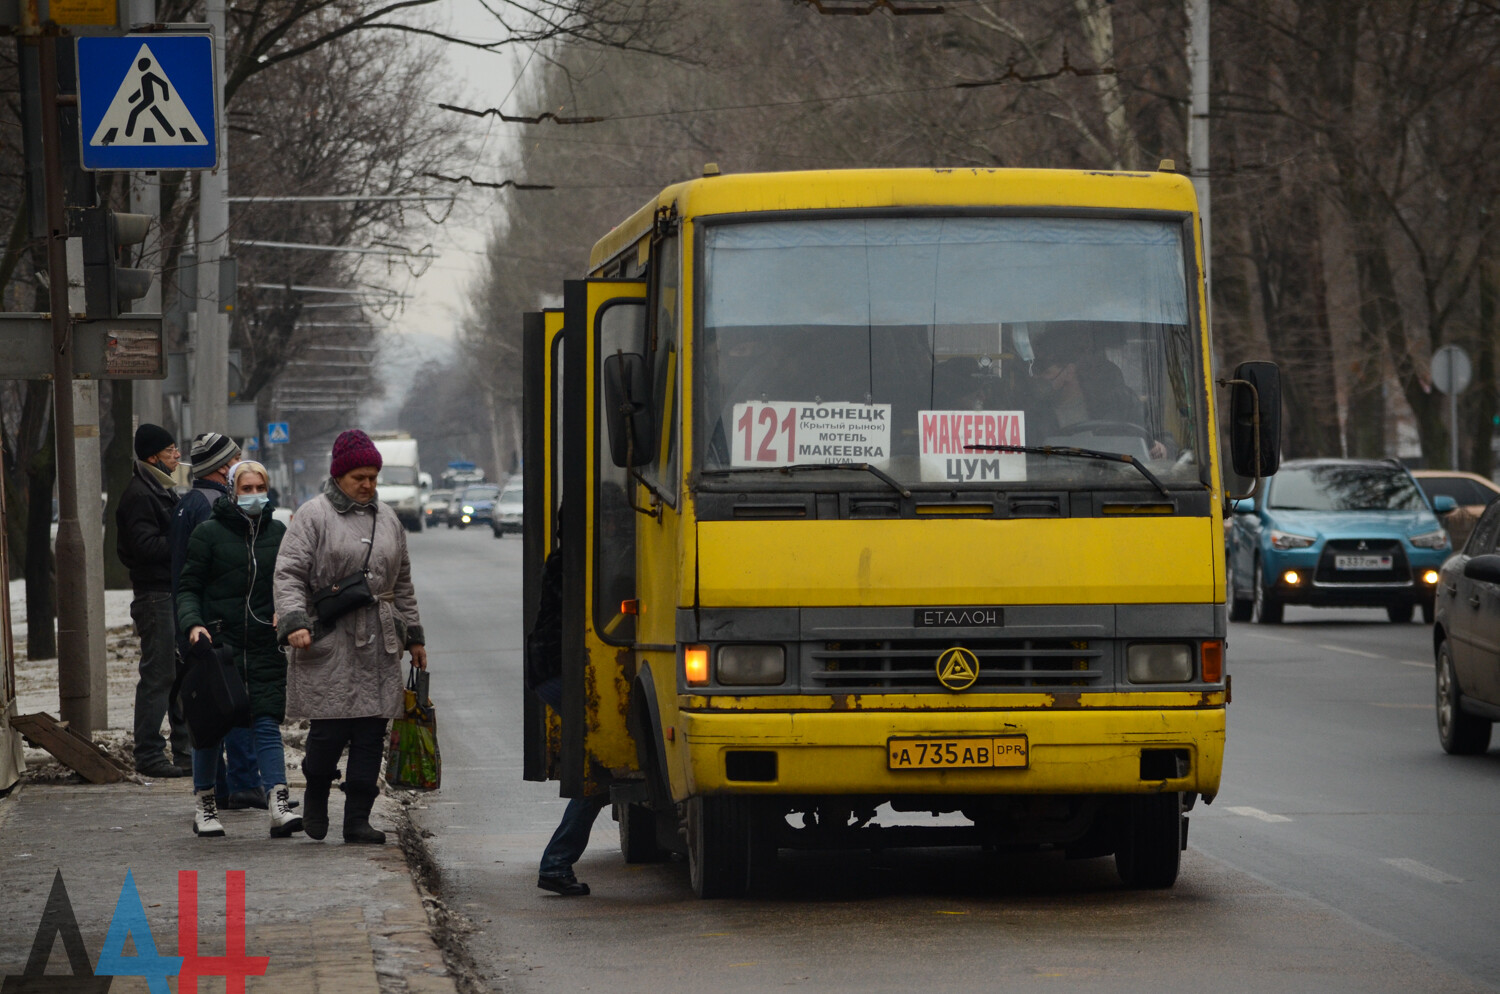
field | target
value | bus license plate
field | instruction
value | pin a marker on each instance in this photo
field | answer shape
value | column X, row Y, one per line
column 958, row 754
column 1361, row 562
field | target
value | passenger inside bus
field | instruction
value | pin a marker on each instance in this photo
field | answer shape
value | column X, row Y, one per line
column 1081, row 392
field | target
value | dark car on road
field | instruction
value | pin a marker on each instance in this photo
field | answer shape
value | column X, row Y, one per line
column 1466, row 640
column 1336, row 533
column 476, row 504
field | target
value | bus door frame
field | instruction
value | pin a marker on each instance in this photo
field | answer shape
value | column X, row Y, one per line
column 541, row 344
column 595, row 737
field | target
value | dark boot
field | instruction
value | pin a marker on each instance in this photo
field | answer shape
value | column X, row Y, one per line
column 315, row 799
column 357, row 804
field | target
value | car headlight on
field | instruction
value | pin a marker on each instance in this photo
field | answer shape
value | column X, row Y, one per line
column 468, row 509
column 1431, row 540
column 1159, row 663
column 1286, row 540
column 751, row 665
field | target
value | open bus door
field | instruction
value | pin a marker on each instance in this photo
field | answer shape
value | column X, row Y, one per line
column 541, row 430
column 601, row 317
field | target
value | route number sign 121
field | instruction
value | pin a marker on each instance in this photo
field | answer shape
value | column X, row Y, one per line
column 783, row 432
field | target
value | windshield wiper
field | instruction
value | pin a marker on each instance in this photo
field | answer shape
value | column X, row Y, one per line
column 1077, row 453
column 865, row 467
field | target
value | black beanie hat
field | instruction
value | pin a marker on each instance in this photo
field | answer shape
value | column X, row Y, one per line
column 151, row 439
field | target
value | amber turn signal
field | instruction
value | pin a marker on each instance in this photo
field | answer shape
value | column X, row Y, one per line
column 631, row 606
column 695, row 665
column 1212, row 654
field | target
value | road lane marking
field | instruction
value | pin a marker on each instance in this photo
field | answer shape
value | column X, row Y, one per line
column 1429, row 873
column 1271, row 638
column 1423, row 666
column 1259, row 815
column 1352, row 652
column 1413, row 707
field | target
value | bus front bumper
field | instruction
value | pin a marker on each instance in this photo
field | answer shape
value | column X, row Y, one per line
column 1074, row 751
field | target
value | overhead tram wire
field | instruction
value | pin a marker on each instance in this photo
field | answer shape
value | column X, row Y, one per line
column 1009, row 76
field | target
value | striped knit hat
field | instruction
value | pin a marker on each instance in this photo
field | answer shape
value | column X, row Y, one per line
column 210, row 452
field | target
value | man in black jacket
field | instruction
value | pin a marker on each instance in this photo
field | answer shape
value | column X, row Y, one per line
column 144, row 520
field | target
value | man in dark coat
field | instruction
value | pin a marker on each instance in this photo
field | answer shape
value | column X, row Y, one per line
column 212, row 456
column 143, row 519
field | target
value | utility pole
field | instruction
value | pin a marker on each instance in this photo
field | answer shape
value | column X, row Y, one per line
column 73, row 678
column 1198, row 68
column 210, row 376
column 145, row 198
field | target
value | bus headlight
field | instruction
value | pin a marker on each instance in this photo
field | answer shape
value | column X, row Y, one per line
column 751, row 665
column 1159, row 663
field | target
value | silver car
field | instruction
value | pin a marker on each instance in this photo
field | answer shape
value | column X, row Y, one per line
column 508, row 510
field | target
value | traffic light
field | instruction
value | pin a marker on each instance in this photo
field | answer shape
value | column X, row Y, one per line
column 108, row 287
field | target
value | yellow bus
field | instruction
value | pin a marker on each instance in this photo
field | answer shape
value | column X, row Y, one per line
column 888, row 491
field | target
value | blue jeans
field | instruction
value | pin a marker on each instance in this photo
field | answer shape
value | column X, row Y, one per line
column 241, row 773
column 261, row 743
column 572, row 835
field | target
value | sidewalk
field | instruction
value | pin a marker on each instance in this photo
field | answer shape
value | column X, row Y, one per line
column 332, row 918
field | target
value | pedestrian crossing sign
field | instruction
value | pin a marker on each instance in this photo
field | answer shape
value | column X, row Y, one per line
column 278, row 433
column 148, row 102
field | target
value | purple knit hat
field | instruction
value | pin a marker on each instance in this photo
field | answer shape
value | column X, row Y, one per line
column 351, row 450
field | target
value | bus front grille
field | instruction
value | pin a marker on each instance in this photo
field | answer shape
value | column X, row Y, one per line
column 869, row 666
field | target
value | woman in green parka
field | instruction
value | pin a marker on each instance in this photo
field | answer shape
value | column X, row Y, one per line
column 224, row 595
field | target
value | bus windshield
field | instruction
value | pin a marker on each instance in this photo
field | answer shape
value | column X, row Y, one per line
column 905, row 343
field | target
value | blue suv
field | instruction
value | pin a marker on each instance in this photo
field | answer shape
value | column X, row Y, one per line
column 1336, row 533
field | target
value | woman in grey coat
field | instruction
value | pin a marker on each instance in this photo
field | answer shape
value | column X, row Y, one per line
column 346, row 676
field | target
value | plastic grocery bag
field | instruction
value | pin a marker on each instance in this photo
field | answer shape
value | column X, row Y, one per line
column 412, row 759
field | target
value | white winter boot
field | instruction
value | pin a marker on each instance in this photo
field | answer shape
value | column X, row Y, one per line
column 206, row 815
column 283, row 822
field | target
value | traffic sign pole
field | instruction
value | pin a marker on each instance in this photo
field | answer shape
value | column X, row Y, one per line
column 1452, row 358
column 74, row 684
column 1451, row 373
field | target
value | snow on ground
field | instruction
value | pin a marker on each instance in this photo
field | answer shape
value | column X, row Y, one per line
column 116, row 611
column 36, row 682
column 36, row 679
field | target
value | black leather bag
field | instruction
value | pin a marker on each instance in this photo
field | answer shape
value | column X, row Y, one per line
column 212, row 692
column 342, row 596
column 349, row 594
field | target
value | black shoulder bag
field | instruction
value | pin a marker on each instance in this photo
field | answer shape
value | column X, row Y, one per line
column 352, row 592
column 212, row 693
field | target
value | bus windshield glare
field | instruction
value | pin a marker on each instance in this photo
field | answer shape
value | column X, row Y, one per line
column 905, row 343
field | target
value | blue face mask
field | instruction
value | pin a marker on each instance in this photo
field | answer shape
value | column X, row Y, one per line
column 252, row 504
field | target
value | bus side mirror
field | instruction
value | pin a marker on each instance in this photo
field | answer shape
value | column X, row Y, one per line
column 627, row 407
column 1255, row 419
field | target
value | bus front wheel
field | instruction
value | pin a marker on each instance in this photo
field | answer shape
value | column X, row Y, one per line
column 1149, row 849
column 718, row 832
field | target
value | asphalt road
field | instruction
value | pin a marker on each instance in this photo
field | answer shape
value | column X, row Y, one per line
column 1345, row 853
